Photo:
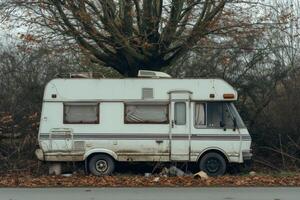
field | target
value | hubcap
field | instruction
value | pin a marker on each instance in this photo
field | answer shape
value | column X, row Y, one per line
column 101, row 166
column 212, row 165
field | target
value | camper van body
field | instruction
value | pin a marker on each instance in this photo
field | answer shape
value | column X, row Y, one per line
column 141, row 119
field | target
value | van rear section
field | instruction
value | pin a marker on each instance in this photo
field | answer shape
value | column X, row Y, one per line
column 101, row 121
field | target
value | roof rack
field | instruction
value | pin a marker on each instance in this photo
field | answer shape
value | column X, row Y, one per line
column 81, row 75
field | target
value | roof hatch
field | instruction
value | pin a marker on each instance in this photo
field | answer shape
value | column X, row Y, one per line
column 152, row 74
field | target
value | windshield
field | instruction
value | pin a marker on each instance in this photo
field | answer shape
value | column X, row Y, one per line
column 236, row 115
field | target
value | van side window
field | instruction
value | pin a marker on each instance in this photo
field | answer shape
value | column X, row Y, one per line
column 146, row 113
column 180, row 113
column 81, row 113
column 200, row 115
column 218, row 115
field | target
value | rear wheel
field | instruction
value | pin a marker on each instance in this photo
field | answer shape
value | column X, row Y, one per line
column 213, row 164
column 100, row 165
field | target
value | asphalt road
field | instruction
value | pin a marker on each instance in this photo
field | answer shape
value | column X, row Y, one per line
column 150, row 193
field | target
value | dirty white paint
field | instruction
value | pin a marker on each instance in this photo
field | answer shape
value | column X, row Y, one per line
column 135, row 142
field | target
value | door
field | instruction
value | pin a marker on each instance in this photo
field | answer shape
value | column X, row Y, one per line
column 180, row 126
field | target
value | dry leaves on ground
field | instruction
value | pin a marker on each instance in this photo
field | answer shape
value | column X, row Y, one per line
column 140, row 181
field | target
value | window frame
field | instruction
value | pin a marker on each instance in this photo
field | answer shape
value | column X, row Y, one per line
column 225, row 103
column 167, row 104
column 97, row 104
column 222, row 114
column 235, row 114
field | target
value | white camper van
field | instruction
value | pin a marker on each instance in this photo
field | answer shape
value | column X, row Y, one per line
column 150, row 118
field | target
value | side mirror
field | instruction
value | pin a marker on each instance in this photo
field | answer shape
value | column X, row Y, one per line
column 223, row 125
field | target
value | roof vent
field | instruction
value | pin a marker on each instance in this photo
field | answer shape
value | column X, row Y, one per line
column 147, row 93
column 152, row 74
column 81, row 75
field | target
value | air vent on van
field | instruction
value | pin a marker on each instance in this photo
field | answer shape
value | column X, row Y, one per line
column 147, row 93
column 152, row 74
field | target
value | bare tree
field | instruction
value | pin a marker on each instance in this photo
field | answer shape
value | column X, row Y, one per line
column 126, row 35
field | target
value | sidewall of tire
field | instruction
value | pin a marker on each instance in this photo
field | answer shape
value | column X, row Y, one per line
column 92, row 164
column 222, row 169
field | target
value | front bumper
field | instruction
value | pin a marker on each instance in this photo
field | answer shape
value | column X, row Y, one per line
column 247, row 155
column 40, row 154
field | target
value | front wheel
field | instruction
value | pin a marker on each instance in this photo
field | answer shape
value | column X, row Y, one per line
column 213, row 164
column 100, row 165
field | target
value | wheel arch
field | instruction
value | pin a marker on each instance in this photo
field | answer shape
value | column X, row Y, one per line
column 92, row 152
column 214, row 150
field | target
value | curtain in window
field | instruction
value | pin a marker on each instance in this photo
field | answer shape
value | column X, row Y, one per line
column 146, row 113
column 199, row 114
column 81, row 113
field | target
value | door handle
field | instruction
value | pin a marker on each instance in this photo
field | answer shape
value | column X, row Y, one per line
column 159, row 141
column 172, row 123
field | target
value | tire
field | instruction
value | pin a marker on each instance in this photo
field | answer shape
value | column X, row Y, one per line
column 213, row 164
column 101, row 165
